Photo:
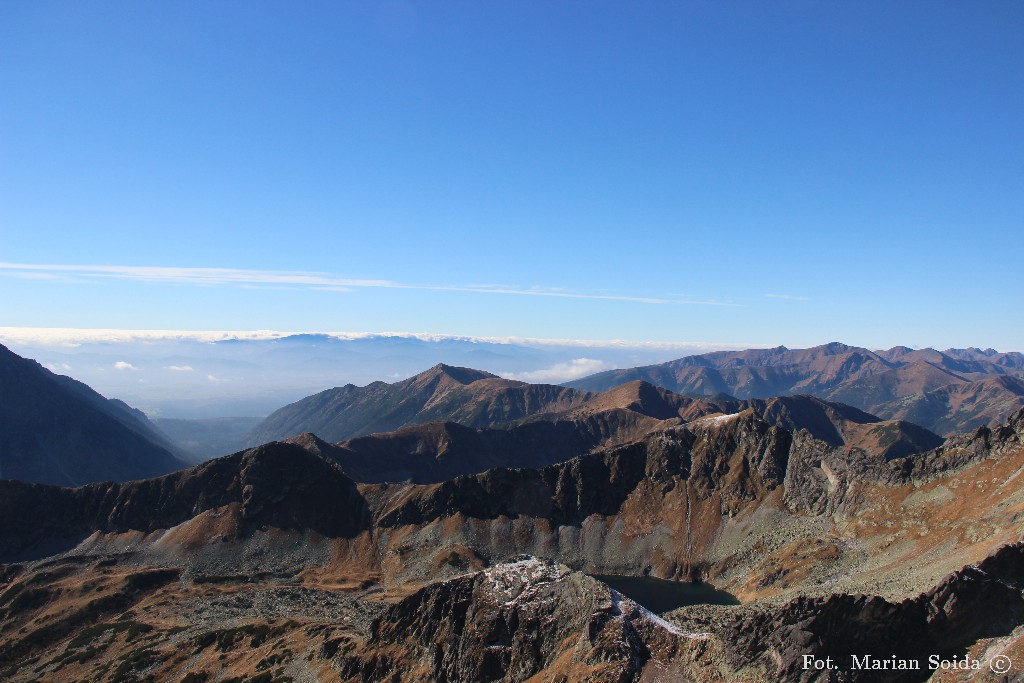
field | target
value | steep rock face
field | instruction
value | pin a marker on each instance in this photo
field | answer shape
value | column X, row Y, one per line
column 513, row 621
column 838, row 424
column 962, row 450
column 277, row 485
column 469, row 397
column 976, row 602
column 59, row 431
column 825, row 421
column 824, row 481
column 737, row 458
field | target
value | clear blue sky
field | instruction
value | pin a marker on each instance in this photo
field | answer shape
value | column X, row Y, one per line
column 860, row 162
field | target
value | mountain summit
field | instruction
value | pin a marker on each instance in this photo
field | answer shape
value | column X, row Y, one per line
column 470, row 397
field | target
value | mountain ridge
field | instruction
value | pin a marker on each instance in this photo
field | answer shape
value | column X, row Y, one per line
column 58, row 430
column 869, row 380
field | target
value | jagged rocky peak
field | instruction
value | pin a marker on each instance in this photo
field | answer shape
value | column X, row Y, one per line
column 310, row 442
column 515, row 620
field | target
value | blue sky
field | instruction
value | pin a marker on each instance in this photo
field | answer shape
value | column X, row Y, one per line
column 765, row 173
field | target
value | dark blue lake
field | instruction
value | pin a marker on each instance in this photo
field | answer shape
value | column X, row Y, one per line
column 660, row 595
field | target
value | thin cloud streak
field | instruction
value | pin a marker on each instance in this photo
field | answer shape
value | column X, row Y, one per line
column 787, row 297
column 314, row 280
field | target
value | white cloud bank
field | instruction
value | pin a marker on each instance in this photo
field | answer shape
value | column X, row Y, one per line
column 180, row 368
column 124, row 365
column 561, row 372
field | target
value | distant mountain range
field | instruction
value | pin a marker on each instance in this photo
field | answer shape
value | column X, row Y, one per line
column 210, row 375
column 58, row 431
column 947, row 392
column 449, row 421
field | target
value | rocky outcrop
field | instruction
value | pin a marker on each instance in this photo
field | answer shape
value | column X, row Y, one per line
column 824, row 481
column 976, row 602
column 514, row 621
column 737, row 458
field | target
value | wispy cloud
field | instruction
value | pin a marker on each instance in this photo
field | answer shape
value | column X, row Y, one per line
column 208, row 277
column 180, row 368
column 787, row 297
column 124, row 365
column 561, row 372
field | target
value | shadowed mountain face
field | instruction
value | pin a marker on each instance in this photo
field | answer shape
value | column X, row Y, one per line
column 279, row 485
column 438, row 451
column 56, row 430
column 469, row 397
column 869, row 380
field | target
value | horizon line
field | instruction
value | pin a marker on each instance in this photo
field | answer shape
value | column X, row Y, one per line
column 75, row 336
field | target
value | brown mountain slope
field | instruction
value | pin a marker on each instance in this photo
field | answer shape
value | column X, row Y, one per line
column 912, row 378
column 756, row 373
column 959, row 407
column 865, row 379
column 438, row 451
column 272, row 562
column 469, row 397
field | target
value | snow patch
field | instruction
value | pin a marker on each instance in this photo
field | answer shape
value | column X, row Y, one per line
column 618, row 599
column 716, row 420
column 520, row 581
